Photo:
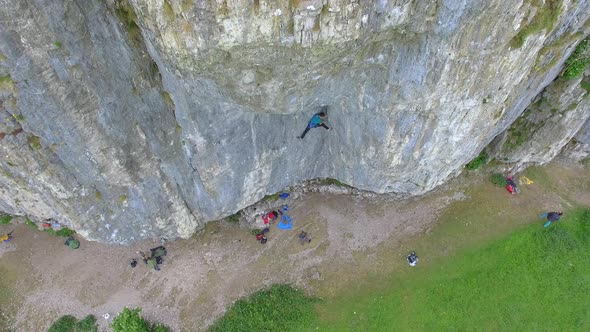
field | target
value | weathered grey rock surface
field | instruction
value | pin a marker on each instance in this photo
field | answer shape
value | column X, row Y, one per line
column 144, row 118
column 556, row 116
column 579, row 147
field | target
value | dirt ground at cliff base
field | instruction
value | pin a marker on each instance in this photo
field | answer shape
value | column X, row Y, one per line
column 354, row 239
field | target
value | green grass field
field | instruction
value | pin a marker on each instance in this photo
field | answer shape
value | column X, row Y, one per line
column 534, row 279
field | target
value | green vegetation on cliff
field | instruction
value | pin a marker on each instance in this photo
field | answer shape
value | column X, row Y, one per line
column 332, row 182
column 520, row 131
column 479, row 161
column 5, row 219
column 125, row 13
column 234, row 218
column 577, row 63
column 547, row 13
column 34, row 142
column 63, row 232
column 6, row 83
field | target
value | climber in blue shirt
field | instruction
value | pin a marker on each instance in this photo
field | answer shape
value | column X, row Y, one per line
column 316, row 121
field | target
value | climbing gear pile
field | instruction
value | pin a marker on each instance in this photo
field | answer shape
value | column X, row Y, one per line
column 286, row 221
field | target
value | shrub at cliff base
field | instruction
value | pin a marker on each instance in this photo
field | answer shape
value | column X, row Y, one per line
column 479, row 161
column 71, row 324
column 278, row 308
column 130, row 320
column 498, row 179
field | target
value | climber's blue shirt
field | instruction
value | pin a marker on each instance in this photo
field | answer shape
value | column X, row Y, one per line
column 315, row 121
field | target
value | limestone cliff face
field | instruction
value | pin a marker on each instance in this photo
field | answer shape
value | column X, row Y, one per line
column 142, row 118
column 555, row 117
column 579, row 147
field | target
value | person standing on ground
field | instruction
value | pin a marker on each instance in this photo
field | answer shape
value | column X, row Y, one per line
column 304, row 238
column 317, row 120
column 412, row 258
column 551, row 217
column 149, row 261
column 155, row 258
column 153, row 262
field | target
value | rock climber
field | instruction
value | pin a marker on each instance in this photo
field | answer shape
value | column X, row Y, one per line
column 551, row 217
column 317, row 120
column 412, row 259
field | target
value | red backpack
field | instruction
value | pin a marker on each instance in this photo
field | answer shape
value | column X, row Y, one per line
column 510, row 189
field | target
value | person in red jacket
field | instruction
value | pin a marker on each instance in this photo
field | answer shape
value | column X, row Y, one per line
column 511, row 185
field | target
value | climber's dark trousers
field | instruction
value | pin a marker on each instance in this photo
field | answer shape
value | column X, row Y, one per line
column 307, row 129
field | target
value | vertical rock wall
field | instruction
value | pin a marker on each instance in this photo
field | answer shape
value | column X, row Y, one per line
column 555, row 118
column 547, row 125
column 578, row 149
column 94, row 146
column 142, row 118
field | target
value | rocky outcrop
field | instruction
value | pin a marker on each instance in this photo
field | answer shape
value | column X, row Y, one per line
column 554, row 119
column 578, row 149
column 547, row 125
column 95, row 145
column 143, row 118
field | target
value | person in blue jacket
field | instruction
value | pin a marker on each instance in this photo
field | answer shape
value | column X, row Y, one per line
column 317, row 120
column 551, row 217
